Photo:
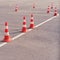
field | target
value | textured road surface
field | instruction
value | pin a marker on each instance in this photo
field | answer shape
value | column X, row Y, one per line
column 42, row 43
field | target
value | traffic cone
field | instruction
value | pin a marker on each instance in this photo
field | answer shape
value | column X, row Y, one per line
column 24, row 28
column 55, row 12
column 48, row 9
column 52, row 5
column 16, row 8
column 31, row 21
column 7, row 36
column 33, row 5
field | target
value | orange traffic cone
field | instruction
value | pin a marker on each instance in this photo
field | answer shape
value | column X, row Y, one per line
column 16, row 8
column 55, row 12
column 48, row 9
column 24, row 28
column 32, row 22
column 7, row 36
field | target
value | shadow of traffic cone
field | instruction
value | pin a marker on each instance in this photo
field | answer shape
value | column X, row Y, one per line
column 24, row 28
column 16, row 8
column 31, row 22
column 55, row 12
column 48, row 9
column 7, row 36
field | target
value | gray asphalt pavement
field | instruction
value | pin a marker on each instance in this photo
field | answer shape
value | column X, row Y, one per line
column 42, row 43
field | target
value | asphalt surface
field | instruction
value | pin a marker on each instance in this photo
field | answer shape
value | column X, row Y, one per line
column 41, row 43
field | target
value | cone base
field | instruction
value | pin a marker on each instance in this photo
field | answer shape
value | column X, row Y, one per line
column 24, row 29
column 55, row 14
column 7, row 39
column 32, row 26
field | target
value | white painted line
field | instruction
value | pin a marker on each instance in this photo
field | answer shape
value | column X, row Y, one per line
column 18, row 36
column 3, row 44
column 46, row 21
column 29, row 30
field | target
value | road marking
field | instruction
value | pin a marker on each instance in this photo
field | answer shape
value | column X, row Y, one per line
column 46, row 21
column 29, row 30
column 17, row 36
column 3, row 44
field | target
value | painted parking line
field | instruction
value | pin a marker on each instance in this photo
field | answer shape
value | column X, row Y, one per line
column 30, row 30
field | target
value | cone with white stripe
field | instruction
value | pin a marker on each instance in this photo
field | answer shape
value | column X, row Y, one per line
column 33, row 5
column 16, row 8
column 52, row 5
column 55, row 12
column 31, row 21
column 7, row 36
column 24, row 28
column 48, row 9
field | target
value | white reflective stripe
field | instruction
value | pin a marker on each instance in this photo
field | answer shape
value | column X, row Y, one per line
column 56, row 12
column 7, row 33
column 24, row 25
column 31, row 17
column 24, row 20
column 48, row 9
column 31, row 22
column 6, row 27
column 16, row 7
